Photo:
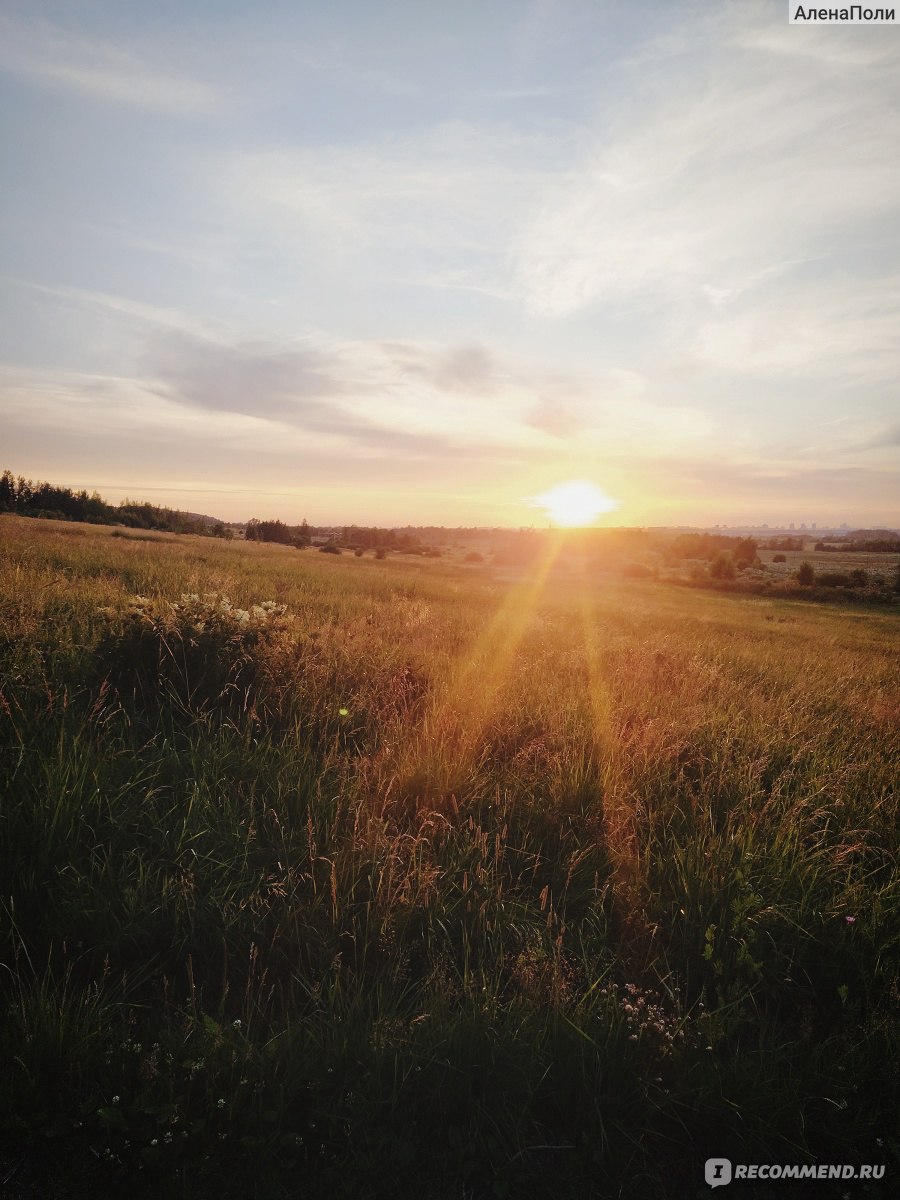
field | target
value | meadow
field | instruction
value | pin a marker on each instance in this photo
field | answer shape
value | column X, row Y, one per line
column 335, row 876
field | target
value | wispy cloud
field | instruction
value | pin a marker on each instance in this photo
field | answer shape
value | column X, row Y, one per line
column 844, row 328
column 432, row 200
column 737, row 168
column 50, row 56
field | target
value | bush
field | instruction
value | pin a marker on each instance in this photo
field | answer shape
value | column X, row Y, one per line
column 833, row 579
column 381, row 553
column 359, row 552
column 806, row 575
column 858, row 577
column 779, row 558
column 331, row 548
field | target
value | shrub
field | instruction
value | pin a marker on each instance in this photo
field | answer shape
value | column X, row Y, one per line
column 381, row 553
column 359, row 552
column 834, row 579
column 858, row 577
column 806, row 575
column 779, row 558
column 330, row 548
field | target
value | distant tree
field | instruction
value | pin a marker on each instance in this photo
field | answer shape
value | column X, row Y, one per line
column 271, row 531
column 806, row 575
column 7, row 492
column 722, row 567
column 744, row 553
column 24, row 494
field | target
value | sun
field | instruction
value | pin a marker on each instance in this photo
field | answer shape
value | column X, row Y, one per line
column 575, row 503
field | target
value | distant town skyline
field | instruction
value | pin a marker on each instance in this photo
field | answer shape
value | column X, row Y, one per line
column 395, row 263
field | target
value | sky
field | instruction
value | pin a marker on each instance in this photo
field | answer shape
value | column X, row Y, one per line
column 416, row 263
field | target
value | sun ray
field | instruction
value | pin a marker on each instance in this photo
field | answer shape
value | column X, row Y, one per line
column 450, row 741
column 618, row 813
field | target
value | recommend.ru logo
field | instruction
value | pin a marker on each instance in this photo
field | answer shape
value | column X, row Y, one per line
column 718, row 1171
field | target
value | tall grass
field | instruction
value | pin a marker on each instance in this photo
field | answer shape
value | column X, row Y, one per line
column 433, row 884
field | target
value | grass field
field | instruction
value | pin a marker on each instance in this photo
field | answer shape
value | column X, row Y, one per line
column 402, row 878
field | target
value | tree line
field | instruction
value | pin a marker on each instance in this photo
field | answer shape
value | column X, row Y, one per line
column 27, row 498
column 348, row 537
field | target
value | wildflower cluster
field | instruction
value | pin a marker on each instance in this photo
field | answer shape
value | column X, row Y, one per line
column 200, row 653
column 211, row 611
column 215, row 611
column 651, row 1021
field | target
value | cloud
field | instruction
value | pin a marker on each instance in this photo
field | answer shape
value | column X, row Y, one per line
column 735, row 168
column 816, row 329
column 431, row 207
column 460, row 368
column 53, row 57
column 890, row 437
column 255, row 379
column 887, row 438
column 122, row 308
column 401, row 399
column 752, row 489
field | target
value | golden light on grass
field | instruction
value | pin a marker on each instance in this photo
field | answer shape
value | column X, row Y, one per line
column 452, row 733
column 575, row 503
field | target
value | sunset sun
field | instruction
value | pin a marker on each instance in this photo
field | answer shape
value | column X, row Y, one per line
column 574, row 503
